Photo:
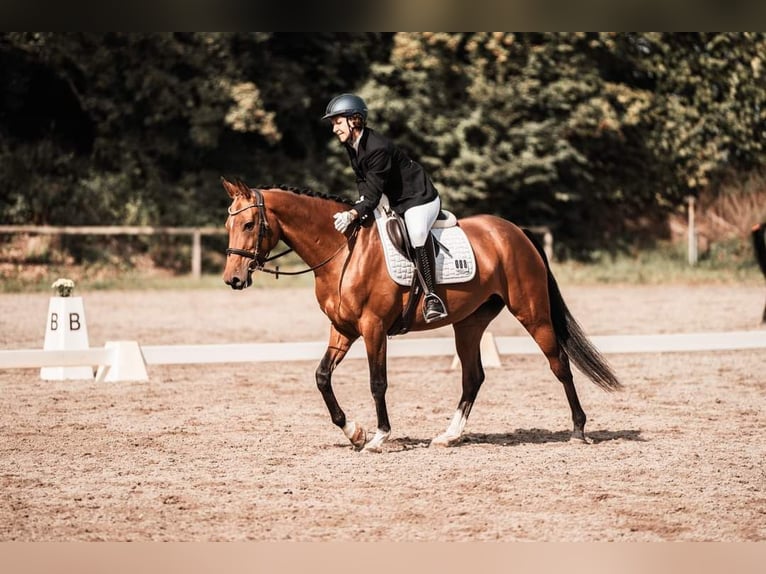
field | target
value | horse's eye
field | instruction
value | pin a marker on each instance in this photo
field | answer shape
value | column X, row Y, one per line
column 249, row 226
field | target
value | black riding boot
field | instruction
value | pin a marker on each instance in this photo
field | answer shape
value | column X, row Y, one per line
column 433, row 309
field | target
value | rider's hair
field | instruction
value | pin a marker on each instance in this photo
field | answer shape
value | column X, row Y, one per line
column 357, row 121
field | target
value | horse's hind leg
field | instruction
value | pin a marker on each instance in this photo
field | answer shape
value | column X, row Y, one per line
column 545, row 337
column 468, row 334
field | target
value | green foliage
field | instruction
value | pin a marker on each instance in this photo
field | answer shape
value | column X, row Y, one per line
column 598, row 135
column 138, row 128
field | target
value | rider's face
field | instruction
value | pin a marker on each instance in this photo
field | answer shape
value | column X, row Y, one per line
column 341, row 127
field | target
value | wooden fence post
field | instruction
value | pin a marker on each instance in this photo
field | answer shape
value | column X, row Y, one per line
column 196, row 264
column 692, row 233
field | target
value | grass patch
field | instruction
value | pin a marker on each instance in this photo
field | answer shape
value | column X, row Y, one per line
column 661, row 266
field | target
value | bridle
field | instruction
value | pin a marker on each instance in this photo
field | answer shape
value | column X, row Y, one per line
column 264, row 230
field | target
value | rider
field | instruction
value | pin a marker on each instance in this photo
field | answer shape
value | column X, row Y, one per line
column 382, row 167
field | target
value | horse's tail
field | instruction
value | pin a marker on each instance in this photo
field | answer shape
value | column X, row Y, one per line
column 759, row 244
column 571, row 336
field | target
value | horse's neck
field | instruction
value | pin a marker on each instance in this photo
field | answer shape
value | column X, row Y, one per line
column 307, row 225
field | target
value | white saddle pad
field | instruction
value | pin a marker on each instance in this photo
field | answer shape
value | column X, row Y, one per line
column 455, row 264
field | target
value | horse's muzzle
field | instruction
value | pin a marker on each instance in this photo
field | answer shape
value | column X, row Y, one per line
column 237, row 282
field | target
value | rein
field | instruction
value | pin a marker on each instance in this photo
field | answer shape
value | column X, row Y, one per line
column 258, row 263
column 276, row 272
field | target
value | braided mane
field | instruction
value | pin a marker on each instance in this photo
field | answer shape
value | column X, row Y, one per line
column 307, row 192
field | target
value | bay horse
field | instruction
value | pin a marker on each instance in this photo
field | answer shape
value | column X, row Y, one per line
column 353, row 288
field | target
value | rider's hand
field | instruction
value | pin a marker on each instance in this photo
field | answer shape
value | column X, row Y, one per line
column 343, row 219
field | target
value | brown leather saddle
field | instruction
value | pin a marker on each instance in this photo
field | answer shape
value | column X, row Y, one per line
column 397, row 233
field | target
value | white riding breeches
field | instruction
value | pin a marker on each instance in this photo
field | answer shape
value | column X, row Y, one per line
column 419, row 220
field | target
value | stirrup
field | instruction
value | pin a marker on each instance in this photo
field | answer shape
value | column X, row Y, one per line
column 431, row 314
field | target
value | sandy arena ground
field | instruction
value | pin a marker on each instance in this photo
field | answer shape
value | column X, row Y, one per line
column 247, row 451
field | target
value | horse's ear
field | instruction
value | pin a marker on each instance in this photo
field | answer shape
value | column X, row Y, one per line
column 230, row 188
column 242, row 189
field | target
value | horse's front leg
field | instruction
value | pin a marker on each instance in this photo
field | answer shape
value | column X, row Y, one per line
column 337, row 348
column 376, row 345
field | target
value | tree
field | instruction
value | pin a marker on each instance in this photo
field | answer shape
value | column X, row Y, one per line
column 597, row 134
column 137, row 128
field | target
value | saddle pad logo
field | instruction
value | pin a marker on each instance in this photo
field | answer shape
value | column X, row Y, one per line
column 455, row 264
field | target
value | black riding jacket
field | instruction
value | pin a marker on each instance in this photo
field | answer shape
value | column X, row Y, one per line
column 381, row 167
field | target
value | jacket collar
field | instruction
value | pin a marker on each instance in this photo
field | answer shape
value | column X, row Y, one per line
column 363, row 139
column 362, row 143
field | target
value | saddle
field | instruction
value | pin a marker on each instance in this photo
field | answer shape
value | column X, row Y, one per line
column 400, row 239
column 453, row 256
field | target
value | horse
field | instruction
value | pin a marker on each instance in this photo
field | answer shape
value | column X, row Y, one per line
column 759, row 245
column 354, row 290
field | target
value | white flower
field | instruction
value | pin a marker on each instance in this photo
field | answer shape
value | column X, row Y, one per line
column 64, row 287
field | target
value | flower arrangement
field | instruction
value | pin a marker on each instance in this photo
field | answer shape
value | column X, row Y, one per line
column 64, row 287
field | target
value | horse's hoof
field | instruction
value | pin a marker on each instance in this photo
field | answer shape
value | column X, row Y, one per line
column 376, row 443
column 443, row 440
column 359, row 438
column 580, row 437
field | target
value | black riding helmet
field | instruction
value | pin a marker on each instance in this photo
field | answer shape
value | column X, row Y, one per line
column 346, row 105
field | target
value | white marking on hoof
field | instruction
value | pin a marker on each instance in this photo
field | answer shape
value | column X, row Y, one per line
column 376, row 443
column 454, row 431
column 445, row 440
column 355, row 433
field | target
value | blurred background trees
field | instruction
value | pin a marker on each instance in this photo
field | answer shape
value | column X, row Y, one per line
column 601, row 136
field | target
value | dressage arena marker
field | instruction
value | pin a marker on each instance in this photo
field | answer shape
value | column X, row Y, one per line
column 490, row 354
column 65, row 329
column 127, row 363
column 127, row 360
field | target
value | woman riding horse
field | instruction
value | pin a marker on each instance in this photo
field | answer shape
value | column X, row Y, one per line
column 356, row 293
column 383, row 168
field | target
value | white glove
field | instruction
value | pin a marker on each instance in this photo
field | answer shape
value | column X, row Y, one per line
column 342, row 220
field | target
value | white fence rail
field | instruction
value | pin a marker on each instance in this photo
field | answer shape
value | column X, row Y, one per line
column 126, row 360
column 37, row 358
column 444, row 346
